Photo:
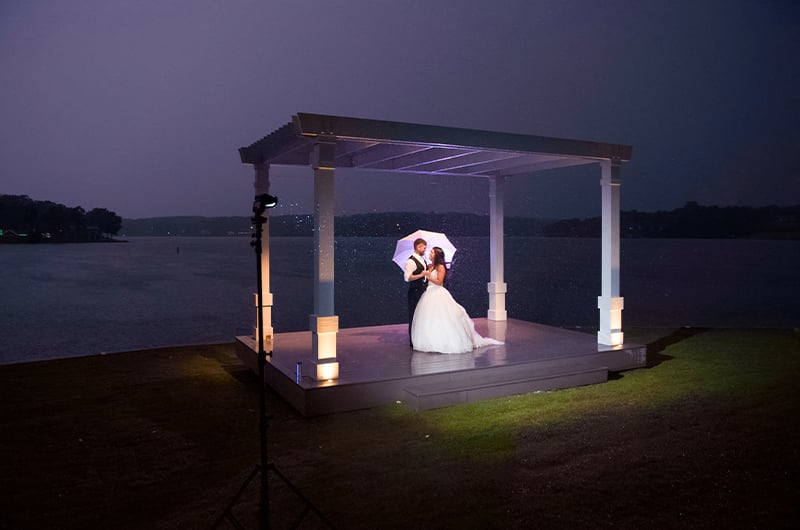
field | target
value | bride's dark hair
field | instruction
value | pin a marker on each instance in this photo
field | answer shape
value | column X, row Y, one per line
column 438, row 257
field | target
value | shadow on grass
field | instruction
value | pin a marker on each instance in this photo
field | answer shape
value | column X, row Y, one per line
column 655, row 348
column 277, row 406
column 244, row 375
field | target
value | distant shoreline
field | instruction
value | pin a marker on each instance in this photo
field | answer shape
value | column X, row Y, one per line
column 8, row 241
column 690, row 222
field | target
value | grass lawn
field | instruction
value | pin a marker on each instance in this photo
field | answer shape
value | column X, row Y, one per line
column 705, row 437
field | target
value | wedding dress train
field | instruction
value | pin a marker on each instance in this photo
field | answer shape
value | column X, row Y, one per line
column 442, row 325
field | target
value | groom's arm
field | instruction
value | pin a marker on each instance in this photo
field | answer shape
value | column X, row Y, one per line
column 409, row 270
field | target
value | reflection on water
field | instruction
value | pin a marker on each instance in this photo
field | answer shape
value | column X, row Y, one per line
column 73, row 299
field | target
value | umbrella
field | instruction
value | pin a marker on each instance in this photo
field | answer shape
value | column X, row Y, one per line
column 405, row 246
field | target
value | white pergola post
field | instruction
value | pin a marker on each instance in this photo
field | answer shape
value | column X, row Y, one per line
column 496, row 285
column 324, row 323
column 262, row 186
column 610, row 302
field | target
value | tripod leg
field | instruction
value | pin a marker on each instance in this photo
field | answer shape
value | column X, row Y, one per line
column 228, row 513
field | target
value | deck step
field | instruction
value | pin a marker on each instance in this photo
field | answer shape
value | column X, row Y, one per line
column 424, row 397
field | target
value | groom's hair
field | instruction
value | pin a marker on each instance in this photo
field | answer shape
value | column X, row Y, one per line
column 418, row 241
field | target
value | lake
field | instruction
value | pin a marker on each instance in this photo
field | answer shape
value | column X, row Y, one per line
column 82, row 299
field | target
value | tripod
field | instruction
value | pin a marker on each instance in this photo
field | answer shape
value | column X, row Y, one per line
column 261, row 203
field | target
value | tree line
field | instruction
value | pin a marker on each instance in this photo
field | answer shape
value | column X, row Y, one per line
column 690, row 221
column 693, row 221
column 385, row 224
column 23, row 219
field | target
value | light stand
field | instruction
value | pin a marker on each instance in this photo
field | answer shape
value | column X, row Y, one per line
column 260, row 204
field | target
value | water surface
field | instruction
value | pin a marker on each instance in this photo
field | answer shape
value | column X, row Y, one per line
column 82, row 299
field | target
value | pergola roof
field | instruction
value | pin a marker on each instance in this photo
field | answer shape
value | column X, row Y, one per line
column 406, row 147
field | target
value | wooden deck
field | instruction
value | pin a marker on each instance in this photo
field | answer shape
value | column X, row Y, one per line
column 376, row 366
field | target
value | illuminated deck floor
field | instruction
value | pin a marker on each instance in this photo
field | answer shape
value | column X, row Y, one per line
column 376, row 366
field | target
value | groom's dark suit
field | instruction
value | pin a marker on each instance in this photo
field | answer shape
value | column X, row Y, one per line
column 415, row 290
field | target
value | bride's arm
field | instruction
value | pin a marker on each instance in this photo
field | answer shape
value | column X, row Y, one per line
column 441, row 272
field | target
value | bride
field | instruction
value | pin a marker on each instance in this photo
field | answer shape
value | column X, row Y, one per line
column 440, row 323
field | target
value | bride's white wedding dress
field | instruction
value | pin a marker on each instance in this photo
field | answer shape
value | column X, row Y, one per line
column 442, row 325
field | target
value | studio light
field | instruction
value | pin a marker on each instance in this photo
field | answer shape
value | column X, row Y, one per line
column 263, row 202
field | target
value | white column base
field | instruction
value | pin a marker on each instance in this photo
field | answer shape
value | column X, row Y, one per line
column 497, row 329
column 325, row 370
column 499, row 316
column 610, row 333
column 324, row 330
column 497, row 301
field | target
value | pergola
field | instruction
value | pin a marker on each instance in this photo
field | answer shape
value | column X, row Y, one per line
column 326, row 143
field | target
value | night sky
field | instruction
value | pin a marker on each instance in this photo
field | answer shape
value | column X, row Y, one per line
column 140, row 106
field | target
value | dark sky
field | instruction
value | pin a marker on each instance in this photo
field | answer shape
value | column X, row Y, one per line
column 140, row 106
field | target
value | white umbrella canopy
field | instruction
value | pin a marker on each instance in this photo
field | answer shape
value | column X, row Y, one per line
column 405, row 246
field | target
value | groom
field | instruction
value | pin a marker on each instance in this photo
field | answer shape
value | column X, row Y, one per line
column 414, row 274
